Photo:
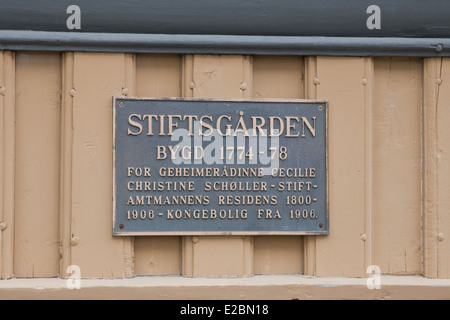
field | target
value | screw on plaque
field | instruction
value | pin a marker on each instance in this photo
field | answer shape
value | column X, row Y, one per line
column 121, row 227
column 121, row 104
column 321, row 226
column 320, row 108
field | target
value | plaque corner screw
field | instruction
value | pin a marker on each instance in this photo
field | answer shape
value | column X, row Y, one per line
column 121, row 103
column 320, row 108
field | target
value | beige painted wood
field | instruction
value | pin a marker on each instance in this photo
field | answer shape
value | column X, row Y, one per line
column 310, row 93
column 65, row 218
column 340, row 80
column 97, row 78
column 278, row 255
column 157, row 256
column 2, row 155
column 38, row 123
column 158, row 76
column 432, row 74
column 7, row 129
column 436, row 168
column 278, row 77
column 129, row 89
column 443, row 117
column 368, row 82
column 219, row 77
column 397, row 165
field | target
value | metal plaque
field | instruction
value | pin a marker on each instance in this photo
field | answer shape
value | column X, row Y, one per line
column 194, row 167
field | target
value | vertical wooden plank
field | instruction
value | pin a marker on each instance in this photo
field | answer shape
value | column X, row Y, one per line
column 221, row 77
column 2, row 155
column 431, row 89
column 38, row 102
column 436, row 168
column 65, row 219
column 278, row 77
column 278, row 255
column 97, row 78
column 310, row 85
column 397, row 165
column 444, row 176
column 129, row 90
column 368, row 237
column 443, row 116
column 7, row 89
column 339, row 80
column 158, row 76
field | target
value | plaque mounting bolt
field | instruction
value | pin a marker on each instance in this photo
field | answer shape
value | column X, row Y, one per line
column 364, row 237
column 316, row 81
column 441, row 237
column 3, row 226
column 2, row 91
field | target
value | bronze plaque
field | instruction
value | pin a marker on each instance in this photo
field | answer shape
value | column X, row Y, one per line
column 193, row 167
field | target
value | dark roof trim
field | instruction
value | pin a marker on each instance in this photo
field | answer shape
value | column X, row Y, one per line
column 217, row 44
column 287, row 18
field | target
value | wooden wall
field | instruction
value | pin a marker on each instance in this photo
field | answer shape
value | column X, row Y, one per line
column 389, row 172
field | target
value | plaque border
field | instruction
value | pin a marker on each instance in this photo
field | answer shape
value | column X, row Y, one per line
column 222, row 233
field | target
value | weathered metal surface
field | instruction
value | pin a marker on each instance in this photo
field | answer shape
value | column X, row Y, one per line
column 245, row 167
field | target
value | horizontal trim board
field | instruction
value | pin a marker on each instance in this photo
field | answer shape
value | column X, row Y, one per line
column 254, row 288
column 332, row 18
column 214, row 44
